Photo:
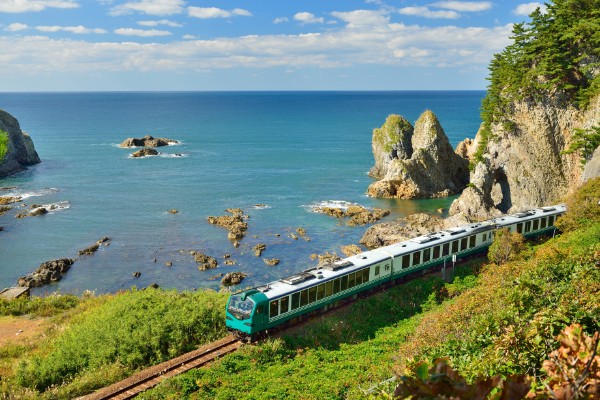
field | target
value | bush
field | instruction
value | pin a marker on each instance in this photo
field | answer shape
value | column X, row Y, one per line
column 583, row 208
column 506, row 246
column 3, row 144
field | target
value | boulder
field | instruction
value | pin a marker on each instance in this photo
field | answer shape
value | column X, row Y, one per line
column 357, row 214
column 20, row 151
column 234, row 223
column 38, row 211
column 49, row 271
column 147, row 141
column 259, row 248
column 271, row 261
column 429, row 168
column 233, row 278
column 145, row 152
column 205, row 262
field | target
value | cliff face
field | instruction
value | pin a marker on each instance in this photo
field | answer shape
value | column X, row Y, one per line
column 415, row 162
column 21, row 151
column 522, row 164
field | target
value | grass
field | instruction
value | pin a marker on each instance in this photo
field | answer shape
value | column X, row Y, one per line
column 3, row 144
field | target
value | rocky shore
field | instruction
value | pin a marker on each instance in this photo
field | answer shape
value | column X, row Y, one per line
column 47, row 272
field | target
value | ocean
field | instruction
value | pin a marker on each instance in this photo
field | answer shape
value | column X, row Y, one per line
column 275, row 155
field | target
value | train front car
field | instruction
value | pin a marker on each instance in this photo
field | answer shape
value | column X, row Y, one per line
column 245, row 314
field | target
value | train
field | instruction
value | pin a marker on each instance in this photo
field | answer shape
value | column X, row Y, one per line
column 255, row 312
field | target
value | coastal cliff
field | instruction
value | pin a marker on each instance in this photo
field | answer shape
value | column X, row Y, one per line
column 20, row 151
column 415, row 162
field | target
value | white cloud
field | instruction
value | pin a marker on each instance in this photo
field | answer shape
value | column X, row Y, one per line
column 73, row 29
column 141, row 32
column 467, row 6
column 16, row 27
column 308, row 18
column 363, row 18
column 214, row 12
column 161, row 22
column 427, row 13
column 528, row 8
column 22, row 6
column 280, row 20
column 150, row 7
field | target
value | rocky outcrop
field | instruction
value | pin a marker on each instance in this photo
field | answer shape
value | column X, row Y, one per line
column 523, row 166
column 205, row 262
column 234, row 223
column 415, row 162
column 20, row 151
column 147, row 141
column 145, row 152
column 233, row 278
column 356, row 214
column 592, row 168
column 49, row 271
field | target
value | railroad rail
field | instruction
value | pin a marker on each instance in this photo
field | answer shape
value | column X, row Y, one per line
column 150, row 377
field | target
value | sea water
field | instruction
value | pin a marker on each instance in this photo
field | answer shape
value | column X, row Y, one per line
column 275, row 155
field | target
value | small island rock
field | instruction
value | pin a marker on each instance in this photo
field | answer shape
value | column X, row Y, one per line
column 147, row 141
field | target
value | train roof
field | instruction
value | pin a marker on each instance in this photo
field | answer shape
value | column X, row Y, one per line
column 319, row 274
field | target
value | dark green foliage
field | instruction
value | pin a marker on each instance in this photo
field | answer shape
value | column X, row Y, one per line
column 557, row 55
column 3, row 144
column 585, row 141
column 135, row 329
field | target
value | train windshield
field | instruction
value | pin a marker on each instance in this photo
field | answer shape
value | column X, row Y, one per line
column 241, row 309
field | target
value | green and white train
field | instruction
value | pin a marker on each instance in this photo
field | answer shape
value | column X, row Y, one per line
column 253, row 312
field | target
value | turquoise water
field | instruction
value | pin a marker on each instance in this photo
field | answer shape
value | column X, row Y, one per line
column 285, row 150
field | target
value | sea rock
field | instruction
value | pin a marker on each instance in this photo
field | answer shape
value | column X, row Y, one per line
column 357, row 214
column 147, row 141
column 173, row 211
column 233, row 278
column 20, row 151
column 146, row 151
column 351, row 250
column 9, row 199
column 205, row 262
column 325, row 258
column 259, row 248
column 38, row 211
column 89, row 250
column 234, row 223
column 49, row 271
column 523, row 165
column 421, row 165
column 271, row 261
column 137, row 274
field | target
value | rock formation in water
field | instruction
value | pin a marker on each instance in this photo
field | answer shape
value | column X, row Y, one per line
column 522, row 166
column 415, row 162
column 147, row 141
column 20, row 151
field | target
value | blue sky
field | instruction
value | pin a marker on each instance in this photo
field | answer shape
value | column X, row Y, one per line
column 81, row 45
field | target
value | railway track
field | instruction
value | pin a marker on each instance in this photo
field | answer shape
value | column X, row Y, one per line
column 150, row 377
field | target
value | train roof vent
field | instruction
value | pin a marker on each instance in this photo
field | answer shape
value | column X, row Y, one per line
column 423, row 239
column 454, row 231
column 264, row 288
column 523, row 214
column 548, row 209
column 298, row 278
column 338, row 265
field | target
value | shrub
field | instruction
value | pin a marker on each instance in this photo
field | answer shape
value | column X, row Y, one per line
column 506, row 246
column 3, row 143
column 582, row 207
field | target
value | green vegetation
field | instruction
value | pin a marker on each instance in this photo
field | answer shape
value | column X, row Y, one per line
column 506, row 246
column 585, row 141
column 3, row 144
column 389, row 133
column 556, row 55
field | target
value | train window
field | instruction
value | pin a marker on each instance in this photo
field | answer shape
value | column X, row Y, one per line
column 312, row 294
column 351, row 280
column 377, row 270
column 359, row 277
column 365, row 275
column 484, row 237
column 406, row 261
column 320, row 291
column 536, row 223
column 336, row 286
column 542, row 223
column 527, row 226
column 455, row 246
column 472, row 241
column 426, row 255
column 551, row 220
column 416, row 258
column 436, row 252
column 344, row 283
column 328, row 288
column 445, row 249
column 463, row 243
column 295, row 300
column 520, row 227
column 303, row 298
column 284, row 304
column 274, row 309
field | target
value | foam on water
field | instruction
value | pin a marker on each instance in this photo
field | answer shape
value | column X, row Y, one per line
column 341, row 204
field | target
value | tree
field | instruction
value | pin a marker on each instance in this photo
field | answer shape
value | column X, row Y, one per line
column 506, row 246
column 585, row 141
